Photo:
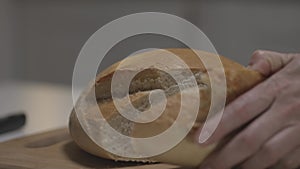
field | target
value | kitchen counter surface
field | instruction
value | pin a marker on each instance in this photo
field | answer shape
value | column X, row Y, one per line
column 47, row 106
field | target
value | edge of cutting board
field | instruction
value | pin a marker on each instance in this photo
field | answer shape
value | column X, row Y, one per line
column 55, row 149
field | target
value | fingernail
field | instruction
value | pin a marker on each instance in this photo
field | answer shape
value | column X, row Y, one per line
column 261, row 66
column 253, row 66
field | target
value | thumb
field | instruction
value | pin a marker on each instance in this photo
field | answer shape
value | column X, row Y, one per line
column 268, row 62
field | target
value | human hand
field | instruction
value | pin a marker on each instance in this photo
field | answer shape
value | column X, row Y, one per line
column 271, row 113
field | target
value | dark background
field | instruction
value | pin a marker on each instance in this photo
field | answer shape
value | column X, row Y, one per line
column 40, row 39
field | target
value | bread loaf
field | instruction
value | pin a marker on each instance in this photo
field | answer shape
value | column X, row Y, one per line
column 188, row 153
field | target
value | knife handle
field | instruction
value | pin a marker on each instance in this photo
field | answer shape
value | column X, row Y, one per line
column 12, row 122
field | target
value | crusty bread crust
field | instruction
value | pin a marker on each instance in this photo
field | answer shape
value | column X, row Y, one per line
column 238, row 79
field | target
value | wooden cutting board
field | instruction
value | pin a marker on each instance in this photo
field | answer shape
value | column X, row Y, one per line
column 56, row 150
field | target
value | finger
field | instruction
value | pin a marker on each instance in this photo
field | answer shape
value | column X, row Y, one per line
column 241, row 111
column 275, row 149
column 290, row 161
column 247, row 142
column 268, row 62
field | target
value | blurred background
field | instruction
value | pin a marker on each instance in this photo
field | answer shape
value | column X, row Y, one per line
column 41, row 39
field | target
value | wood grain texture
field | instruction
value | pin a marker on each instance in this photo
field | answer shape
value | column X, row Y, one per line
column 56, row 150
